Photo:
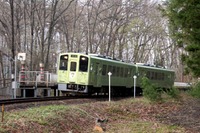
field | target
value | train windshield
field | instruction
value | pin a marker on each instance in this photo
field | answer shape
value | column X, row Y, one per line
column 83, row 64
column 63, row 62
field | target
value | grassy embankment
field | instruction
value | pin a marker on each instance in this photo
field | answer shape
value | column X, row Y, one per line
column 124, row 116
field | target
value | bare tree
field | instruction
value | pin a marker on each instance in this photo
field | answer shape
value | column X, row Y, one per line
column 53, row 21
column 12, row 32
column 133, row 31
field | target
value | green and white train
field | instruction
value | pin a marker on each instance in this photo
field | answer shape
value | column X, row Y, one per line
column 88, row 74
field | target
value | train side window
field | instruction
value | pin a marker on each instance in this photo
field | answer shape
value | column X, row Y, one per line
column 159, row 76
column 126, row 72
column 83, row 64
column 156, row 76
column 73, row 66
column 117, row 72
column 152, row 75
column 114, row 71
column 148, row 75
column 122, row 72
column 110, row 69
column 63, row 62
column 163, row 76
column 104, row 70
column 129, row 72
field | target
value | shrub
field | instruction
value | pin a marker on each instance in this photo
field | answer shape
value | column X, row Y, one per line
column 195, row 91
column 150, row 90
column 173, row 92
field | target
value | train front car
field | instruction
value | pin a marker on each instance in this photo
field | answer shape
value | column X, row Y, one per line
column 73, row 72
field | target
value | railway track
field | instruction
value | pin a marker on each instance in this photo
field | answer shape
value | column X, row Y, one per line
column 11, row 103
column 37, row 99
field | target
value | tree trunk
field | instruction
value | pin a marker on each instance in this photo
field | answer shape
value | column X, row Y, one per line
column 32, row 32
column 12, row 35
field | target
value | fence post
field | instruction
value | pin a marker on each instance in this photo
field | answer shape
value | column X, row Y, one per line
column 41, row 72
column 22, row 74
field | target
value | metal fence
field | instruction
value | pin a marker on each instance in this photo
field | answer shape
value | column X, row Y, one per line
column 37, row 77
column 5, row 87
column 5, row 83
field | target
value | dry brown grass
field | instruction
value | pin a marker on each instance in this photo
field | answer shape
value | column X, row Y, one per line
column 124, row 116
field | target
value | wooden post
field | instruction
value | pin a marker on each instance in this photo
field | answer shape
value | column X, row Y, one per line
column 2, row 109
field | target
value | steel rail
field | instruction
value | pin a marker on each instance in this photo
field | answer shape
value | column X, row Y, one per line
column 37, row 99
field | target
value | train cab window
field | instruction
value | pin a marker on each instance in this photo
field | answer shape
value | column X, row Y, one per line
column 73, row 66
column 104, row 70
column 63, row 62
column 83, row 64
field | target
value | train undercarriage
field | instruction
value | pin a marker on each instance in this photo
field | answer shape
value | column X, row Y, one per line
column 75, row 89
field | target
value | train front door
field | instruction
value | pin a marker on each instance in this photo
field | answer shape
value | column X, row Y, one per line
column 72, row 71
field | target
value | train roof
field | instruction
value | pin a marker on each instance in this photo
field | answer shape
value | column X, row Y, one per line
column 101, row 57
column 107, row 58
column 150, row 66
column 110, row 59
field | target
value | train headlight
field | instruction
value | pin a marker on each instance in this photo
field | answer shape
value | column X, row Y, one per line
column 65, row 57
column 83, row 58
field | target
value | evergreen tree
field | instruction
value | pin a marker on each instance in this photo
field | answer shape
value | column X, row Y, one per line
column 184, row 26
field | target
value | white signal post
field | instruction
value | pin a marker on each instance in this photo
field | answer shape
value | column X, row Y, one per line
column 109, row 76
column 134, row 77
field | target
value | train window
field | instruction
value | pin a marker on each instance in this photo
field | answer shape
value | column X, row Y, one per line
column 156, row 76
column 152, row 75
column 129, row 72
column 110, row 69
column 104, row 70
column 148, row 75
column 83, row 64
column 74, row 56
column 73, row 66
column 117, row 72
column 122, row 72
column 159, row 76
column 126, row 72
column 63, row 62
column 114, row 71
column 163, row 76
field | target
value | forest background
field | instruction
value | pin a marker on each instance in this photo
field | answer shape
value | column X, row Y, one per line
column 130, row 30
